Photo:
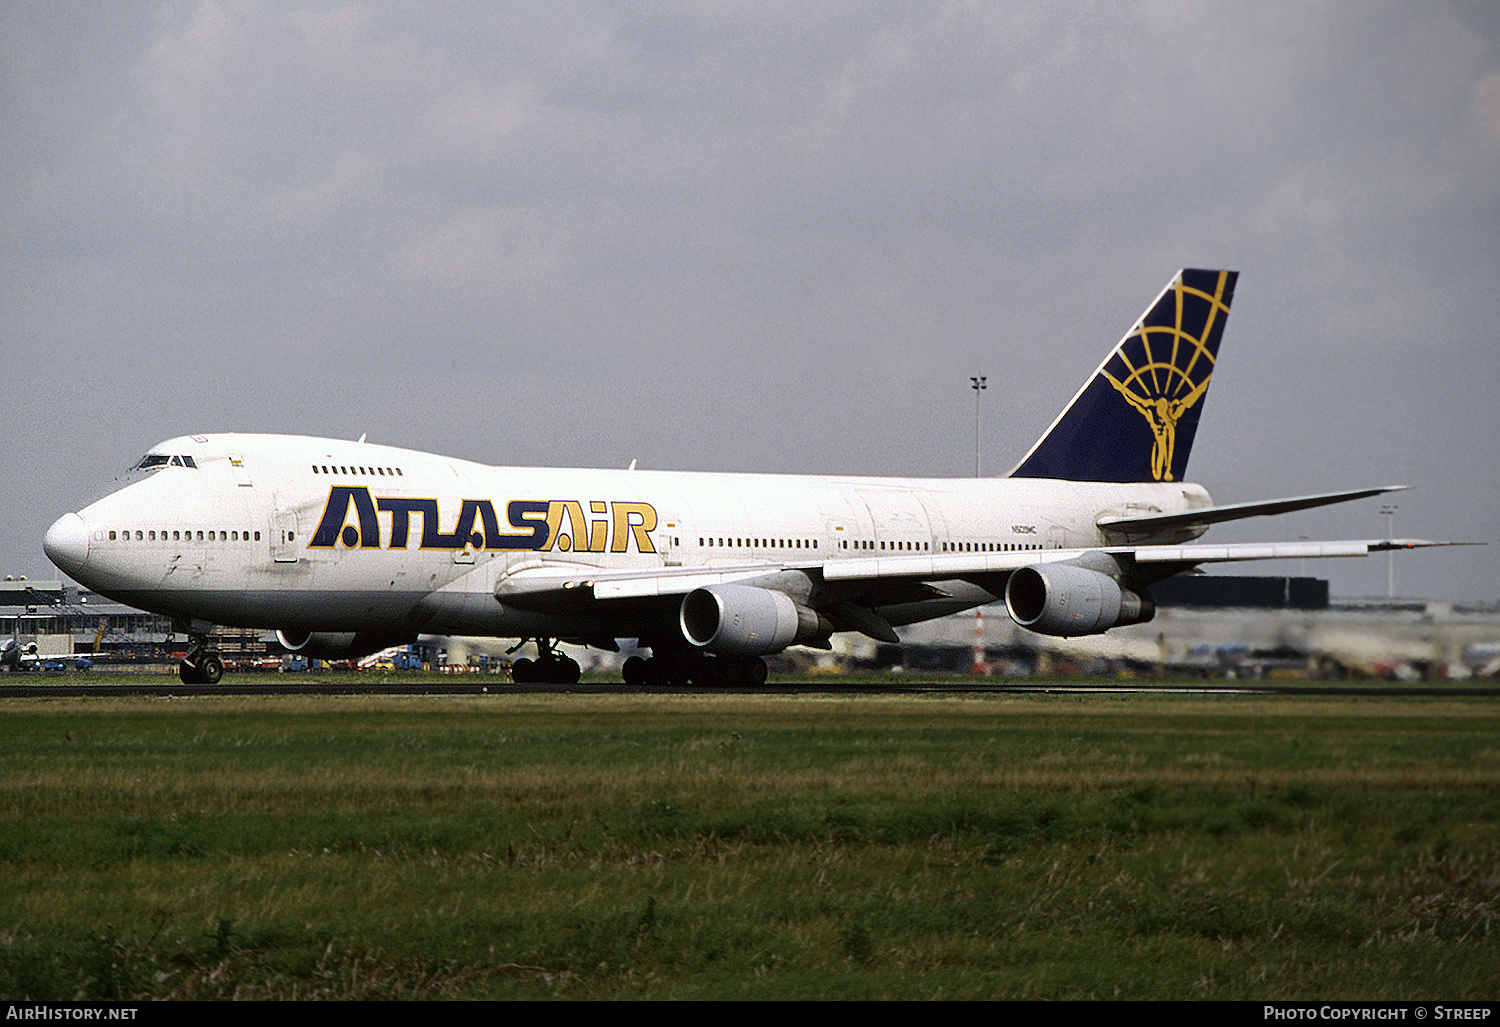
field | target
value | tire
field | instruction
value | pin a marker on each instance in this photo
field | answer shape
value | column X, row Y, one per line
column 560, row 670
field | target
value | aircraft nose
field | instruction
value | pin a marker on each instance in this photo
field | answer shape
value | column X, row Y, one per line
column 67, row 543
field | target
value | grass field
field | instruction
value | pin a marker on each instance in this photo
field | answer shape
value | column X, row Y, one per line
column 750, row 847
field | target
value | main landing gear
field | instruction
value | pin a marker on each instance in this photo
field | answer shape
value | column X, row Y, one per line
column 549, row 668
column 676, row 668
column 202, row 665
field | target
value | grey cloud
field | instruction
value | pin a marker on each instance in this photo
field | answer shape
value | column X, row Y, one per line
column 753, row 236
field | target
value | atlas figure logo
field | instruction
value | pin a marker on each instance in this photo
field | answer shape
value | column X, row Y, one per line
column 530, row 524
column 1163, row 369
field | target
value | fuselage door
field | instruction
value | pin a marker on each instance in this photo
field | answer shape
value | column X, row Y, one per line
column 665, row 540
column 285, row 548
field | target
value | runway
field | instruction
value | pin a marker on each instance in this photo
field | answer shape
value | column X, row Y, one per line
column 113, row 685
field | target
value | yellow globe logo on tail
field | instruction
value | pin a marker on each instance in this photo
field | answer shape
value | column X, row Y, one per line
column 1174, row 374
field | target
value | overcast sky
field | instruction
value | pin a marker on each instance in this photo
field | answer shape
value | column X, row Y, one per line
column 756, row 235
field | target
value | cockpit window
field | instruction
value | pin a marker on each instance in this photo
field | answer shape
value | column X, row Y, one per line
column 151, row 461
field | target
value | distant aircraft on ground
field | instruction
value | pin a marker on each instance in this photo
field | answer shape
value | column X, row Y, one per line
column 349, row 548
column 19, row 656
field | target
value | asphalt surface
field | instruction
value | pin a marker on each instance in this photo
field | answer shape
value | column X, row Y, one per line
column 104, row 684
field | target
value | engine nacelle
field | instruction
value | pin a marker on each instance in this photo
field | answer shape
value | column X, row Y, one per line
column 742, row 620
column 337, row 645
column 1067, row 600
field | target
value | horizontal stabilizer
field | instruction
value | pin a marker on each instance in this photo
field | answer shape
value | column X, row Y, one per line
column 1202, row 518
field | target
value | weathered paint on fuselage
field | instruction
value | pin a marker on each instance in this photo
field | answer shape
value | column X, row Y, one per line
column 326, row 535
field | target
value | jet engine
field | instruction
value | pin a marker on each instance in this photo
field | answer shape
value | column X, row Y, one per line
column 1067, row 600
column 337, row 645
column 742, row 620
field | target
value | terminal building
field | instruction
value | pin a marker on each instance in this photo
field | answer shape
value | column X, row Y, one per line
column 65, row 622
column 1226, row 626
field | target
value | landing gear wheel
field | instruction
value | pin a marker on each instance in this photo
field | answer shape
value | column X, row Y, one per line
column 634, row 672
column 671, row 671
column 755, row 672
column 729, row 672
column 203, row 670
column 561, row 670
column 551, row 669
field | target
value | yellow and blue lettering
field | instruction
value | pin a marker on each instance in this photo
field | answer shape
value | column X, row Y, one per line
column 523, row 513
column 539, row 523
column 332, row 529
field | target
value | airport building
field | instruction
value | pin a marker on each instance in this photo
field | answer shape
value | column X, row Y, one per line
column 1208, row 626
column 65, row 622
column 1225, row 627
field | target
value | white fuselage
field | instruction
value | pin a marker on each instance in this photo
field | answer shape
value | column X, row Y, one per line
column 325, row 535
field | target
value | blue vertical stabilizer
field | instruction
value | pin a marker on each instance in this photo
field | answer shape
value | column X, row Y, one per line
column 1135, row 418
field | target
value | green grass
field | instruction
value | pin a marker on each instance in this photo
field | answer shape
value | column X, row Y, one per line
column 750, row 847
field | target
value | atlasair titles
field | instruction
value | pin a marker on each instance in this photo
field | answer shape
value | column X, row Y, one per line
column 530, row 524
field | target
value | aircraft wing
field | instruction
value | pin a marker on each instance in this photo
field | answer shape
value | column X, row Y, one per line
column 1203, row 517
column 558, row 579
column 1180, row 557
column 545, row 584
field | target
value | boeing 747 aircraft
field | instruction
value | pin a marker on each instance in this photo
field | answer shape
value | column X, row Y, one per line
column 348, row 548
